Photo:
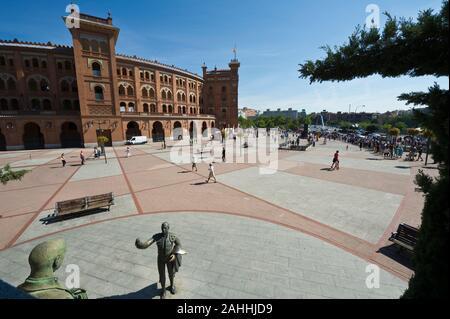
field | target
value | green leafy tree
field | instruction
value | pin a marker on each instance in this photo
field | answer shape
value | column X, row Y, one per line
column 7, row 175
column 411, row 48
column 372, row 128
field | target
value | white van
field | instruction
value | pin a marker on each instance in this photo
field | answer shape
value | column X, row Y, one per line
column 137, row 140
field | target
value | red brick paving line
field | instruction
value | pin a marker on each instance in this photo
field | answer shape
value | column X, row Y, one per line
column 383, row 265
column 22, row 230
column 29, row 187
column 362, row 248
column 130, row 188
column 399, row 213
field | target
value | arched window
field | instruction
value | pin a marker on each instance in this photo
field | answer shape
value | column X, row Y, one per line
column 131, row 108
column 118, row 72
column 4, row 105
column 121, row 90
column 60, row 66
column 152, row 77
column 163, row 95
column 99, row 93
column 27, row 63
column 35, row 104
column 152, row 108
column 152, row 93
column 47, row 105
column 123, row 107
column 166, row 79
column 45, row 87
column 2, row 85
column 14, row 104
column 2, row 61
column 35, row 63
column 142, row 75
column 32, row 85
column 104, row 47
column 179, row 110
column 67, row 105
column 85, row 44
column 124, row 72
column 184, row 109
column 94, row 46
column 170, row 109
column 130, row 91
column 96, row 69
column 144, row 92
column 64, row 86
column 147, row 76
column 146, row 109
column 183, row 96
column 74, row 87
column 164, row 107
column 169, row 95
column 190, row 110
column 44, row 64
column 68, row 65
column 179, row 96
column 130, row 73
column 76, row 105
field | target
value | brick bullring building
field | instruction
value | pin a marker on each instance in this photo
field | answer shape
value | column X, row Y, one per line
column 58, row 96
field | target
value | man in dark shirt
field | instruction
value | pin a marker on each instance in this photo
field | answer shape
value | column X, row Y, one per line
column 168, row 256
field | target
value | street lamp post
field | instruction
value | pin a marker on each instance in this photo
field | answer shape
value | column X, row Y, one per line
column 100, row 123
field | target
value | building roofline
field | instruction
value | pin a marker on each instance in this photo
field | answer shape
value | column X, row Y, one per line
column 159, row 64
column 41, row 45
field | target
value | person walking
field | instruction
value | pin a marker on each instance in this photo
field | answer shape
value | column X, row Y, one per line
column 212, row 174
column 194, row 163
column 420, row 152
column 82, row 158
column 335, row 164
column 63, row 160
column 224, row 153
column 128, row 152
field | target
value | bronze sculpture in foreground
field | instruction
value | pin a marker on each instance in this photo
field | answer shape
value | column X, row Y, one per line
column 169, row 255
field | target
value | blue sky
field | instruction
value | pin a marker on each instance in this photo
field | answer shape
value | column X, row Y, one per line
column 272, row 38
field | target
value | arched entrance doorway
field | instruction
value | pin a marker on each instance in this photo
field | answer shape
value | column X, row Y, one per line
column 2, row 142
column 204, row 128
column 133, row 130
column 177, row 131
column 70, row 137
column 32, row 137
column 192, row 130
column 158, row 132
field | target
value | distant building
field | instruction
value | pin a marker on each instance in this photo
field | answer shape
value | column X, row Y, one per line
column 248, row 113
column 290, row 113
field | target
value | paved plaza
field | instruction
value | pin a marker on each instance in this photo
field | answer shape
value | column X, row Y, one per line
column 300, row 232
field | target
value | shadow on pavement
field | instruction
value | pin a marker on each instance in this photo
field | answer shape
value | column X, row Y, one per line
column 184, row 172
column 147, row 293
column 326, row 169
column 51, row 220
column 199, row 184
column 399, row 255
column 402, row 167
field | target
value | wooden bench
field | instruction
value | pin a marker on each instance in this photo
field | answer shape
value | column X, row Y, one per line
column 405, row 236
column 81, row 205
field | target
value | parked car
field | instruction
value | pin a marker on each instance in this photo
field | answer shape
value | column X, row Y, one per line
column 135, row 140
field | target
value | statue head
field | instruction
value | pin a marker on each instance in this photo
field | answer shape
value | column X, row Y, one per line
column 165, row 228
column 46, row 258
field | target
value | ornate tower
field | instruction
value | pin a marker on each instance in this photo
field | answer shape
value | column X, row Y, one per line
column 220, row 94
column 94, row 42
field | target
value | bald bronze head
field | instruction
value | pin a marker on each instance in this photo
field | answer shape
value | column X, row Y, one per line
column 46, row 258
